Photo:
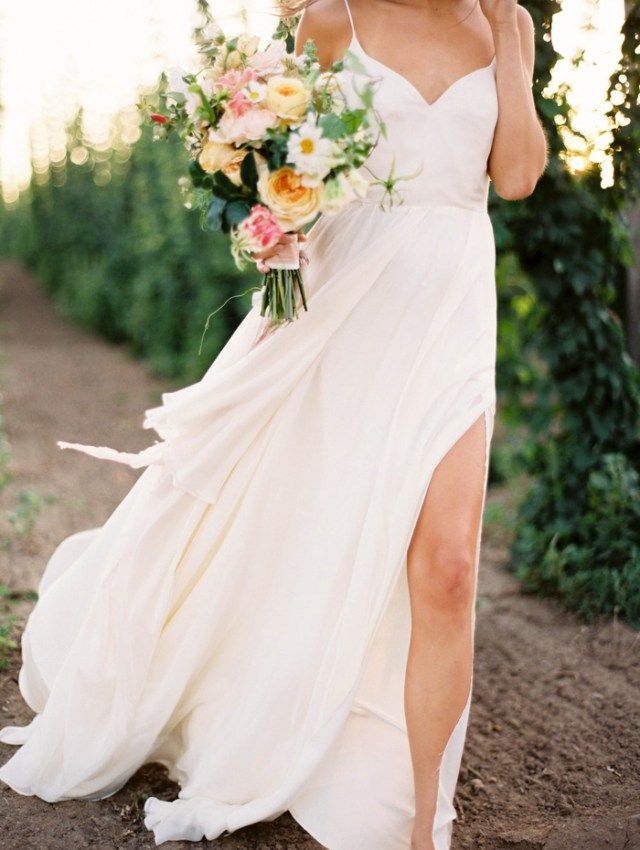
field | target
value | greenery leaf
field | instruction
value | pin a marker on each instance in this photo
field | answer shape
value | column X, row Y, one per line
column 332, row 126
column 198, row 176
column 213, row 217
column 235, row 211
column 224, row 187
column 249, row 172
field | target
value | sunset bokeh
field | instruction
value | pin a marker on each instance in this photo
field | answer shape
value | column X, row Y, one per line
column 59, row 57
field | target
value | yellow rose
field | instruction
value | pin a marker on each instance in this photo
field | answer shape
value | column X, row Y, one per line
column 288, row 97
column 216, row 155
column 232, row 170
column 292, row 203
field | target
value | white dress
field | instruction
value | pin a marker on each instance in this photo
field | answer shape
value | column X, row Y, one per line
column 243, row 615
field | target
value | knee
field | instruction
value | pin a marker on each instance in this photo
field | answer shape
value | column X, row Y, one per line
column 442, row 578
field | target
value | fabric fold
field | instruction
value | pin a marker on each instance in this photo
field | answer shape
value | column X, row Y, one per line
column 249, row 590
column 207, row 427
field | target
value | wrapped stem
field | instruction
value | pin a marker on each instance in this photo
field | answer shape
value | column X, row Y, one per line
column 282, row 295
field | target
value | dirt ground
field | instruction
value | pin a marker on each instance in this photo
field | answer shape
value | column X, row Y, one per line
column 553, row 752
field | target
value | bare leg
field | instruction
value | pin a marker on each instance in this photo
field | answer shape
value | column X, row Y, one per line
column 441, row 568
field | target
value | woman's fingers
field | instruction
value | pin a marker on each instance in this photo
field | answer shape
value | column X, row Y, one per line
column 285, row 254
column 285, row 239
column 282, row 246
column 262, row 267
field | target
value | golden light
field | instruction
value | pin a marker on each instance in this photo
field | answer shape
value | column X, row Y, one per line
column 589, row 30
column 59, row 56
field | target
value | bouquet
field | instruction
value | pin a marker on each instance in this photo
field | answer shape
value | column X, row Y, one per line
column 273, row 143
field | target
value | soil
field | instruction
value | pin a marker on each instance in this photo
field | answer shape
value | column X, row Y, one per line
column 553, row 753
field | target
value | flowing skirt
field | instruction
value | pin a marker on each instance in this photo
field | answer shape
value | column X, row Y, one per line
column 243, row 615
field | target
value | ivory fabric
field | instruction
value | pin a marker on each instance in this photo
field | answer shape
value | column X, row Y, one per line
column 243, row 616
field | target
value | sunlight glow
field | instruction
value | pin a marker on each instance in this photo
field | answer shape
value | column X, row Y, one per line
column 589, row 29
column 59, row 56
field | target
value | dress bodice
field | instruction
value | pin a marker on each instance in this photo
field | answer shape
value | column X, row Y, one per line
column 445, row 144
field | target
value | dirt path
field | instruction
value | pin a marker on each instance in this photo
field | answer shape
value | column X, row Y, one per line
column 553, row 754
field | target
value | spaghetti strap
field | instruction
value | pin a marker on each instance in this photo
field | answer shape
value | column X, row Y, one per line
column 353, row 29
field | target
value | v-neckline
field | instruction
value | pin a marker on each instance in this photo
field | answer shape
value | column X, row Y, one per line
column 412, row 86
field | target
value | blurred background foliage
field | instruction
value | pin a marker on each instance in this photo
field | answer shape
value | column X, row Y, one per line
column 123, row 258
column 126, row 260
column 577, row 533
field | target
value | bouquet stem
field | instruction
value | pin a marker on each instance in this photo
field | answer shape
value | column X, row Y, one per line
column 282, row 295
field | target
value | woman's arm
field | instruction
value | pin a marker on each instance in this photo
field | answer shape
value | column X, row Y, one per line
column 519, row 153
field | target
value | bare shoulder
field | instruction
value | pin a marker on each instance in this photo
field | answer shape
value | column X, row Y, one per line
column 326, row 23
column 527, row 38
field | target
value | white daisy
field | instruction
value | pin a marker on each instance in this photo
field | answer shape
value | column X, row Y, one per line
column 311, row 154
column 255, row 91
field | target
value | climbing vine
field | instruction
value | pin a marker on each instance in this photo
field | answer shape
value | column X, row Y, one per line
column 578, row 526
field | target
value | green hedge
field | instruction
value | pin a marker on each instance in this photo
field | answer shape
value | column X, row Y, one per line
column 127, row 261
column 577, row 533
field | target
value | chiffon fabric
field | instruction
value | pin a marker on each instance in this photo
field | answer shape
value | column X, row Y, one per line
column 243, row 615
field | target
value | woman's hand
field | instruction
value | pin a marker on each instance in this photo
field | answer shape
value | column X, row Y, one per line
column 500, row 13
column 285, row 254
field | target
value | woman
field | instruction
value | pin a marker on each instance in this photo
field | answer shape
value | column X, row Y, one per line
column 281, row 609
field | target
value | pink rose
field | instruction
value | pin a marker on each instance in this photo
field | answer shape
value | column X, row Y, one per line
column 269, row 61
column 235, row 80
column 248, row 127
column 239, row 104
column 260, row 229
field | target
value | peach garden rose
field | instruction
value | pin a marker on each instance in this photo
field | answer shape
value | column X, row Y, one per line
column 284, row 192
column 216, row 155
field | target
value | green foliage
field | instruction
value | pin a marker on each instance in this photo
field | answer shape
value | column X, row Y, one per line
column 521, row 373
column 18, row 522
column 8, row 642
column 127, row 261
column 595, row 564
column 6, row 476
column 9, row 623
column 21, row 519
column 571, row 243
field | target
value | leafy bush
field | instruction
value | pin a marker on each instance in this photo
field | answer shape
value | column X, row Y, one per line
column 593, row 565
column 127, row 261
column 577, row 527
